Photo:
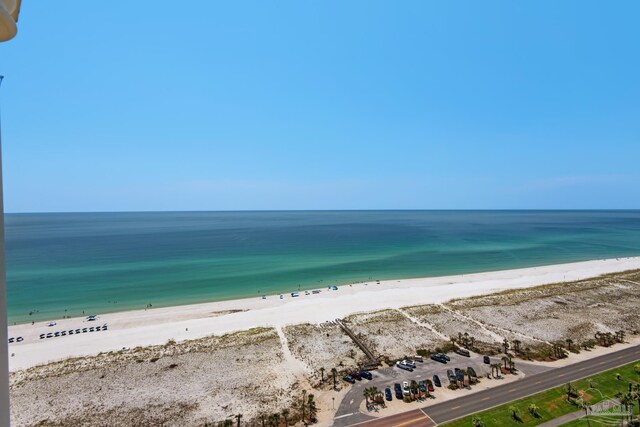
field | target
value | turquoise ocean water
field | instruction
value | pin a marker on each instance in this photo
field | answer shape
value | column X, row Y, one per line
column 62, row 264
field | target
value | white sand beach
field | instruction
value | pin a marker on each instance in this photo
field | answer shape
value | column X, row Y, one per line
column 157, row 326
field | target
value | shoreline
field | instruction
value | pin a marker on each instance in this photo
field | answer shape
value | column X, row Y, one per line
column 154, row 326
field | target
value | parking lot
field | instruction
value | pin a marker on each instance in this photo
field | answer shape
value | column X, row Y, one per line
column 349, row 410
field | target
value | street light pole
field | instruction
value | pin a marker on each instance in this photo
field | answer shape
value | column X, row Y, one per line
column 4, row 346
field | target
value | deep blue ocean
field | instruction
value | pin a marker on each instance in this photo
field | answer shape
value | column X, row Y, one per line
column 61, row 264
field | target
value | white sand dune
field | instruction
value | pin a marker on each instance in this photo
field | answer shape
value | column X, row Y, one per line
column 156, row 326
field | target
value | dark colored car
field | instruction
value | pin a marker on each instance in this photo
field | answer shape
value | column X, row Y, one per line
column 460, row 377
column 366, row 374
column 447, row 358
column 450, row 374
column 429, row 385
column 472, row 371
column 356, row 375
column 42, row 336
column 436, row 381
column 438, row 358
column 486, row 360
column 349, row 379
column 462, row 352
column 422, row 386
column 387, row 394
column 457, row 371
column 398, row 390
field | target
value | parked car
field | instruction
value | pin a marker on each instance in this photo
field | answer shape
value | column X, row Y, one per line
column 472, row 371
column 405, row 388
column 11, row 340
column 450, row 374
column 42, row 336
column 349, row 379
column 486, row 360
column 398, row 390
column 460, row 377
column 404, row 366
column 447, row 358
column 366, row 374
column 429, row 385
column 436, row 381
column 409, row 363
column 422, row 386
column 418, row 359
column 462, row 352
column 50, row 334
column 355, row 375
column 387, row 394
column 438, row 358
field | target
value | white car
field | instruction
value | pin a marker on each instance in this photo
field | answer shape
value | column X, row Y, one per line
column 405, row 388
column 409, row 363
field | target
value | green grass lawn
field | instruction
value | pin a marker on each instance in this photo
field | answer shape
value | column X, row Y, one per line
column 553, row 403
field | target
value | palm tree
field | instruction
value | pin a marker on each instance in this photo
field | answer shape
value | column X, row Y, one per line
column 272, row 421
column 312, row 407
column 636, row 393
column 276, row 418
column 505, row 345
column 512, row 365
column 505, row 359
column 627, row 401
column 477, row 422
column 374, row 393
column 413, row 387
column 303, row 402
column 322, row 374
column 238, row 419
column 534, row 410
column 514, row 413
column 285, row 415
column 571, row 391
column 262, row 417
column 465, row 372
column 334, row 372
column 583, row 404
column 516, row 345
column 367, row 394
column 569, row 342
column 598, row 337
column 495, row 366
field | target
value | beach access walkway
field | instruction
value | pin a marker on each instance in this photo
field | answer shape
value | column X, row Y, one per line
column 373, row 361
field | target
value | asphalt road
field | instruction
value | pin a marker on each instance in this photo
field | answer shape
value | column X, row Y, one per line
column 482, row 400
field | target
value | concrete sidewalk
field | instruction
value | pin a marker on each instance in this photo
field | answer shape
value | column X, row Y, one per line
column 563, row 419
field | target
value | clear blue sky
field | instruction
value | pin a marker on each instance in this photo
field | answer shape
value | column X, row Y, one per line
column 212, row 105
